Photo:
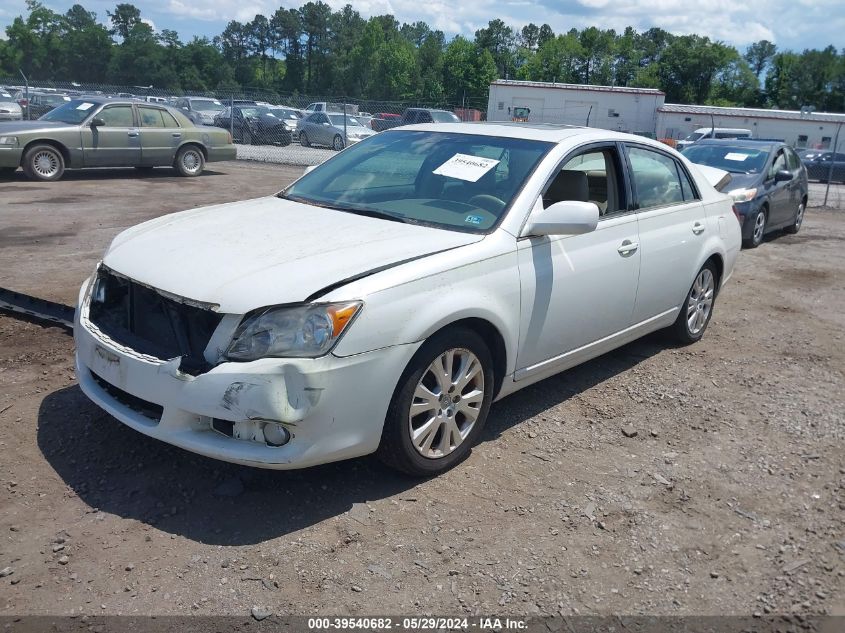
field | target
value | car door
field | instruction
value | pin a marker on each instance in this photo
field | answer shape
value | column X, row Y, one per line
column 579, row 289
column 780, row 208
column 673, row 229
column 796, row 186
column 116, row 142
column 160, row 136
column 323, row 130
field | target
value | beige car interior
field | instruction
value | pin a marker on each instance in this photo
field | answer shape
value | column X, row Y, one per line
column 589, row 177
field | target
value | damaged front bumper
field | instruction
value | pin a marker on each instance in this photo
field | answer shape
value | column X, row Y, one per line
column 333, row 407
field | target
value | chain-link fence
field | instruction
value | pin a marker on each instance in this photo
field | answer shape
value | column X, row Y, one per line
column 266, row 126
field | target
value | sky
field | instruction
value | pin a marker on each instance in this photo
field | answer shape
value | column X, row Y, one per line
column 791, row 24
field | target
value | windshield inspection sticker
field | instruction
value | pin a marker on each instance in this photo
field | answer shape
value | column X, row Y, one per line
column 466, row 167
column 473, row 219
column 84, row 106
column 736, row 156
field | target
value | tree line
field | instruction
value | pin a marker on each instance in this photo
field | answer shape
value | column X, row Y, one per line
column 315, row 50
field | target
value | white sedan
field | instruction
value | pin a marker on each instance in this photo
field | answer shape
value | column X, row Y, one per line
column 385, row 299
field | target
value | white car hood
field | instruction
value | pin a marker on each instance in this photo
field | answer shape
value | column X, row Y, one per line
column 267, row 251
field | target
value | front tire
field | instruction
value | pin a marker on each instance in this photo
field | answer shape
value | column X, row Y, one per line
column 189, row 161
column 758, row 229
column 303, row 139
column 798, row 221
column 337, row 143
column 43, row 162
column 440, row 404
column 697, row 309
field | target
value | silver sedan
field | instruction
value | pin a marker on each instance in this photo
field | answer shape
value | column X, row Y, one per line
column 327, row 128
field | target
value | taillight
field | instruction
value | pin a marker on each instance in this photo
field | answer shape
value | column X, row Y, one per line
column 23, row 102
column 736, row 213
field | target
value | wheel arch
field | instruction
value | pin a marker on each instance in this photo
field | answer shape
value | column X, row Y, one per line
column 492, row 337
column 719, row 263
column 196, row 144
column 63, row 150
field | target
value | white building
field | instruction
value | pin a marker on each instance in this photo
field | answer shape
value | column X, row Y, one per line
column 609, row 107
column 815, row 129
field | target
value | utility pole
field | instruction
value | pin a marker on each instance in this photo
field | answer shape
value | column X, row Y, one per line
column 832, row 161
column 589, row 112
column 25, row 93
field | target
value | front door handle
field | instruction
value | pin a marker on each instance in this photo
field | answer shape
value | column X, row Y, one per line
column 698, row 228
column 133, row 134
column 177, row 134
column 628, row 248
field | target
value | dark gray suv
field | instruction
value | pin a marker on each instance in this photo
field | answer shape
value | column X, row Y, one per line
column 768, row 183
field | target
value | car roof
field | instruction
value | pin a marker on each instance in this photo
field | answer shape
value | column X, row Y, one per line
column 742, row 142
column 550, row 132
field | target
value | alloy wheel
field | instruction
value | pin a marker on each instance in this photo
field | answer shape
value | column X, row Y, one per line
column 45, row 163
column 446, row 403
column 799, row 217
column 700, row 301
column 759, row 227
column 191, row 161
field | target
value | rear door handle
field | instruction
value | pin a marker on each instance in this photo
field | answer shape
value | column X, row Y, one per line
column 698, row 228
column 177, row 134
column 628, row 248
column 132, row 134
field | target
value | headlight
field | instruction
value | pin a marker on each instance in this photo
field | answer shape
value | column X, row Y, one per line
column 743, row 195
column 8, row 140
column 299, row 331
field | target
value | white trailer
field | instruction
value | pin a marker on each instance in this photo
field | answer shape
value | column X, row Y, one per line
column 608, row 107
column 799, row 129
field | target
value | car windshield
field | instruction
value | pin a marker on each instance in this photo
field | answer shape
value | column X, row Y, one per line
column 738, row 160
column 73, row 111
column 694, row 136
column 54, row 99
column 206, row 104
column 337, row 120
column 254, row 111
column 284, row 113
column 444, row 117
column 461, row 182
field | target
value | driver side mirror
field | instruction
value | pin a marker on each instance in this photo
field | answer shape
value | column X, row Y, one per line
column 568, row 217
column 97, row 122
column 784, row 175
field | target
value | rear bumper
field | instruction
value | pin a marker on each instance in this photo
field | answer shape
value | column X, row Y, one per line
column 221, row 153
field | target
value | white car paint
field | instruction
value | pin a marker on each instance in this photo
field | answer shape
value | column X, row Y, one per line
column 555, row 301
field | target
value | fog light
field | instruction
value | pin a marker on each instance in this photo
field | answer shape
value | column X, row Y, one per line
column 276, row 434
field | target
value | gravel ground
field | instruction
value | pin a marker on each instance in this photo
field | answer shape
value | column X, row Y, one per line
column 729, row 499
column 293, row 154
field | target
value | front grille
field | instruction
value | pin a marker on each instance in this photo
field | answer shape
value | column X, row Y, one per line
column 147, row 409
column 150, row 323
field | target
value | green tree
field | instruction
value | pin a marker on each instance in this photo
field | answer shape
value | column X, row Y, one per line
column 688, row 66
column 467, row 72
column 124, row 19
column 759, row 54
column 499, row 39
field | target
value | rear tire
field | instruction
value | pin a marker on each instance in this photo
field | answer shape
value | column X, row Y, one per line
column 189, row 161
column 303, row 139
column 697, row 308
column 793, row 228
column 435, row 417
column 7, row 172
column 337, row 143
column 43, row 162
column 758, row 230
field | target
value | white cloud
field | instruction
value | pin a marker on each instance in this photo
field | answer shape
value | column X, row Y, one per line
column 149, row 23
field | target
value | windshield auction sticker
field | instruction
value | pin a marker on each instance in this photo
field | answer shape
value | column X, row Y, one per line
column 736, row 156
column 466, row 167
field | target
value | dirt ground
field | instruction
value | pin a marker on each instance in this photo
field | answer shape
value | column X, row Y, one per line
column 730, row 498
